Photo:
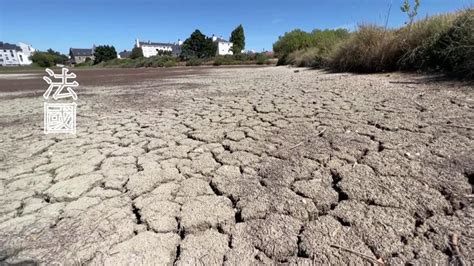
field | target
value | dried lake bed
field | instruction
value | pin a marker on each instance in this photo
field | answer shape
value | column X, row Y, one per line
column 239, row 166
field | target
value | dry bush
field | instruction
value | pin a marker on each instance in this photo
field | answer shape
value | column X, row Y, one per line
column 310, row 57
column 457, row 46
column 370, row 49
column 438, row 43
column 450, row 47
column 414, row 35
column 417, row 40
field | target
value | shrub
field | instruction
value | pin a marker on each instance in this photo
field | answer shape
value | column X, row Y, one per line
column 42, row 59
column 414, row 35
column 194, row 62
column 85, row 64
column 218, row 61
column 169, row 64
column 310, row 57
column 456, row 47
column 122, row 63
column 290, row 42
column 370, row 49
column 161, row 61
column 437, row 43
column 417, row 41
column 226, row 60
column 262, row 59
column 48, row 58
column 449, row 48
column 140, row 62
column 314, row 46
column 243, row 57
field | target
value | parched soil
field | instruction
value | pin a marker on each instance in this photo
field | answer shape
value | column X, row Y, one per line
column 240, row 166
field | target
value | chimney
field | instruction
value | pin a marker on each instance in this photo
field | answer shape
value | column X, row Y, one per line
column 180, row 42
column 214, row 38
column 137, row 43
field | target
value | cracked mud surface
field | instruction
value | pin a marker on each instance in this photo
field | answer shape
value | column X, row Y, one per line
column 242, row 166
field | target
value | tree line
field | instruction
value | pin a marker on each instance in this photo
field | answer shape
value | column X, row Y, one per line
column 197, row 45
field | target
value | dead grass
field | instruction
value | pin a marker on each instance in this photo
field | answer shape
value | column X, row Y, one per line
column 438, row 43
column 370, row 49
column 450, row 48
column 310, row 57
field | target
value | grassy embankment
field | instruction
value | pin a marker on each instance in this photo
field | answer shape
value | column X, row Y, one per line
column 441, row 43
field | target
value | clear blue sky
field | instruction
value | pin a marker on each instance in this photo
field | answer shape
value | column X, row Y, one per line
column 61, row 24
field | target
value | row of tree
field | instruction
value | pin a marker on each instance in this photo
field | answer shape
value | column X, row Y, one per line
column 197, row 45
column 50, row 58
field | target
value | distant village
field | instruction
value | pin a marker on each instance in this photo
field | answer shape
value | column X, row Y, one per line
column 19, row 54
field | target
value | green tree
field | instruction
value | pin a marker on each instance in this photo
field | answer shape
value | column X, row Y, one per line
column 209, row 48
column 292, row 41
column 314, row 46
column 198, row 46
column 326, row 40
column 104, row 53
column 137, row 52
column 42, row 59
column 52, row 52
column 48, row 58
column 237, row 37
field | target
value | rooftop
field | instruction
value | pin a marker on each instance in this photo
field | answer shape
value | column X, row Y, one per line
column 81, row 51
column 125, row 54
column 221, row 40
column 155, row 44
column 9, row 46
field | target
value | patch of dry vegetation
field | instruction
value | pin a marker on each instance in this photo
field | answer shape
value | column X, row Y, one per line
column 370, row 49
column 445, row 43
column 442, row 43
column 308, row 49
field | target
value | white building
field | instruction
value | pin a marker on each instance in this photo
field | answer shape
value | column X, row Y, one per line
column 8, row 54
column 26, row 51
column 223, row 47
column 14, row 55
column 153, row 48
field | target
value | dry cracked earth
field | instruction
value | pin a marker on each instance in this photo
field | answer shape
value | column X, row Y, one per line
column 241, row 166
